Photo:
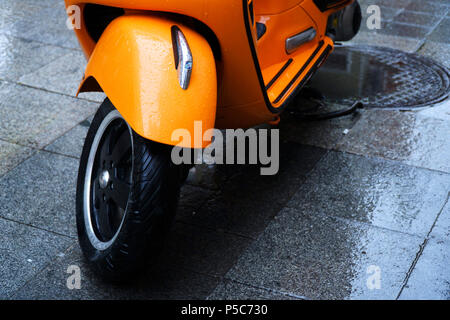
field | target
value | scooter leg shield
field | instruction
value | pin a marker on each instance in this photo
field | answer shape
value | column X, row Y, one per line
column 134, row 63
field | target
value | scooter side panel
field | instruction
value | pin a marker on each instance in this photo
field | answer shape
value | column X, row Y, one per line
column 134, row 65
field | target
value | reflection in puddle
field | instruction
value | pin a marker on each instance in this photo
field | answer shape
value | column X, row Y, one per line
column 381, row 77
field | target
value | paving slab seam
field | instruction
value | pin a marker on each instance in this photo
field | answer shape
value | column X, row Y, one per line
column 38, row 150
column 38, row 228
column 422, row 45
column 56, row 138
column 20, row 145
column 421, row 249
column 56, row 92
column 57, row 153
column 51, row 142
column 40, row 67
column 270, row 290
column 48, row 91
column 41, row 149
column 416, row 25
column 221, row 278
column 435, row 26
column 425, row 38
column 400, row 10
column 418, row 46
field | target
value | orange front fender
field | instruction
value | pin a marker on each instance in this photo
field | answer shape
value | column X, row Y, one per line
column 133, row 64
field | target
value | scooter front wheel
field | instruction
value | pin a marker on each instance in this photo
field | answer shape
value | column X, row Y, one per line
column 127, row 193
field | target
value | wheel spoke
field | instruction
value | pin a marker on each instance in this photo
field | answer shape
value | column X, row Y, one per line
column 103, row 219
column 121, row 147
column 105, row 150
column 97, row 196
column 119, row 192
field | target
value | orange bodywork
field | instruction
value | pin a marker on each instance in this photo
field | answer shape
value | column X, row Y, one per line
column 140, row 78
column 248, row 84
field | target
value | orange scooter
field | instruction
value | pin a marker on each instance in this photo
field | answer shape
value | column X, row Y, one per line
column 163, row 65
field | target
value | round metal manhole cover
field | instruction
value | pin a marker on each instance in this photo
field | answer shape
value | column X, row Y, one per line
column 381, row 78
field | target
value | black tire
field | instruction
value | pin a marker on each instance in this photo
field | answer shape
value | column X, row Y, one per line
column 154, row 184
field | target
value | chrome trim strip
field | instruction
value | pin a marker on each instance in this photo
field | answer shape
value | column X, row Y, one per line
column 294, row 42
column 184, row 58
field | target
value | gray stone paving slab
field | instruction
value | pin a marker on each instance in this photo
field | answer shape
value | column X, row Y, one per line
column 385, row 40
column 24, row 251
column 387, row 13
column 12, row 12
column 439, row 111
column 417, row 18
column 325, row 134
column 320, row 257
column 383, row 193
column 50, row 27
column 404, row 30
column 62, row 75
column 46, row 24
column 395, row 27
column 207, row 176
column 412, row 138
column 24, row 5
column 440, row 52
column 435, row 8
column 442, row 32
column 192, row 198
column 161, row 282
column 202, row 250
column 248, row 201
column 11, row 155
column 19, row 56
column 41, row 192
column 399, row 4
column 437, row 51
column 35, row 118
column 71, row 143
column 430, row 277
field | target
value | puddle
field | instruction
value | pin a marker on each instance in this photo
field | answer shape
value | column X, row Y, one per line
column 381, row 78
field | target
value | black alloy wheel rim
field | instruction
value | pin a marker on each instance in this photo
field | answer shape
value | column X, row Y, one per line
column 111, row 180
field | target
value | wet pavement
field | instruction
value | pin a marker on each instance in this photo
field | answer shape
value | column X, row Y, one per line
column 356, row 197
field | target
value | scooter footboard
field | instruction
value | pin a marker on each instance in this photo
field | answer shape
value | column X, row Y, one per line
column 134, row 64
